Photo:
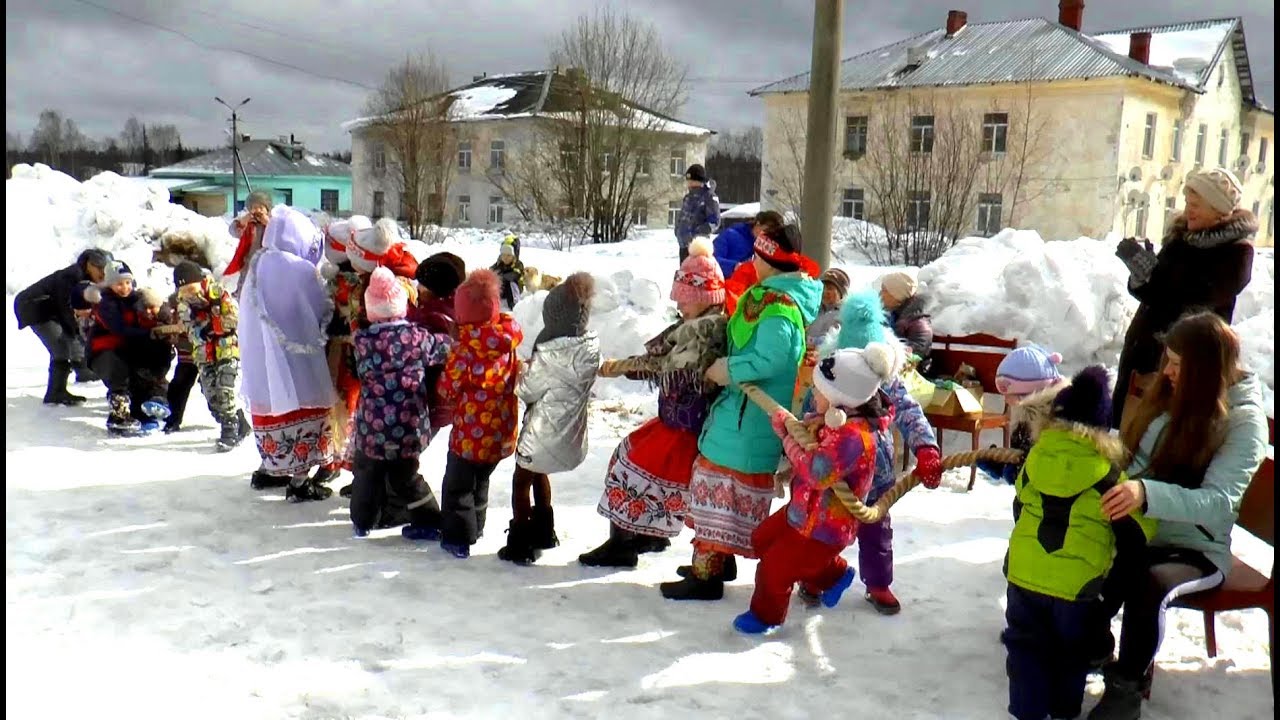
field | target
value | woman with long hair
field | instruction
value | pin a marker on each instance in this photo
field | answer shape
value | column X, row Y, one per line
column 1197, row 437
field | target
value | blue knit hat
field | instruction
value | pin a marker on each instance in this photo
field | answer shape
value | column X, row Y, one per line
column 1026, row 370
column 861, row 321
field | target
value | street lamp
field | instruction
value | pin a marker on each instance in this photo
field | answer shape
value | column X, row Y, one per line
column 235, row 154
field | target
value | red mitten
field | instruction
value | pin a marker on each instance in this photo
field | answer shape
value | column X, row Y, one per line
column 779, row 422
column 929, row 466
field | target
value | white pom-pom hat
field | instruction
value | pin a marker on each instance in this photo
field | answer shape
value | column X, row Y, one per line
column 850, row 378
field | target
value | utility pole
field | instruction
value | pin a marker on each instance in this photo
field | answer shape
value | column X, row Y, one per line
column 817, row 205
column 235, row 154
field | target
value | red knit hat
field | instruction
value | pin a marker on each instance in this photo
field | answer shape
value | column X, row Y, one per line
column 699, row 279
column 476, row 300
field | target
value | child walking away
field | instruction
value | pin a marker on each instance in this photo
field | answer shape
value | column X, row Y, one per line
column 556, row 390
column 391, row 422
column 1062, row 548
column 510, row 272
column 210, row 315
column 1029, row 380
column 646, row 490
column 479, row 379
column 802, row 542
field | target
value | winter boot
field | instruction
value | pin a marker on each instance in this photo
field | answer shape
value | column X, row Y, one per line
column 883, row 601
column 119, row 421
column 263, row 481
column 831, row 596
column 1121, row 700
column 347, row 490
column 520, row 548
column 301, row 489
column 729, row 574
column 542, row 530
column 807, row 598
column 748, row 624
column 420, row 533
column 231, row 435
column 85, row 374
column 458, row 550
column 618, row 551
column 56, row 390
column 157, row 409
column 648, row 544
column 326, row 474
column 691, row 588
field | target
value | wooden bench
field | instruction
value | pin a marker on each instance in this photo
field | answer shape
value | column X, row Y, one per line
column 984, row 354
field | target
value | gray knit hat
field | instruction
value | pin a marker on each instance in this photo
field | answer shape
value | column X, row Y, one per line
column 567, row 308
column 116, row 271
column 259, row 197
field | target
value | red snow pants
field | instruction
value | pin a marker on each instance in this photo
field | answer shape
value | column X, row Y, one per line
column 787, row 558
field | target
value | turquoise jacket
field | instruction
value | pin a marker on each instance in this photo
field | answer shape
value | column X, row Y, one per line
column 1201, row 519
column 737, row 434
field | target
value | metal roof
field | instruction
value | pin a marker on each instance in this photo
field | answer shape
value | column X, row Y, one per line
column 259, row 157
column 1034, row 49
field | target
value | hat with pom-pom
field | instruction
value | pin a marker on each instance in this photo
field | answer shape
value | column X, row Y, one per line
column 476, row 300
column 850, row 378
column 1087, row 400
column 369, row 246
column 1026, row 370
column 386, row 298
column 699, row 279
column 862, row 320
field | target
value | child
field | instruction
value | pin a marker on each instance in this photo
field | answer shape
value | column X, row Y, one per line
column 479, row 379
column 1062, row 548
column 835, row 286
column 1028, row 378
column 117, row 344
column 209, row 314
column 343, row 284
column 152, row 356
column 390, row 429
column 510, row 272
column 185, row 372
column 803, row 541
column 438, row 279
column 556, row 390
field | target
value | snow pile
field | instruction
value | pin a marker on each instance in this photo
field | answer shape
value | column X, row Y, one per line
column 51, row 218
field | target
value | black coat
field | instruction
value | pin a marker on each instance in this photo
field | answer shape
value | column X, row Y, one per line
column 49, row 298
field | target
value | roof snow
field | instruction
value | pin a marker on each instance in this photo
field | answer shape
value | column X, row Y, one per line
column 1196, row 41
column 478, row 102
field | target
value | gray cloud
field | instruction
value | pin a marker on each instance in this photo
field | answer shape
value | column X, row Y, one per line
column 98, row 67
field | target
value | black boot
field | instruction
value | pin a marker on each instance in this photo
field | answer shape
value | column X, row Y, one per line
column 649, row 544
column 728, row 574
column 231, row 435
column 303, row 488
column 325, row 474
column 519, row 548
column 85, row 374
column 542, row 530
column 263, row 481
column 119, row 421
column 618, row 551
column 1121, row 700
column 56, row 390
column 691, row 588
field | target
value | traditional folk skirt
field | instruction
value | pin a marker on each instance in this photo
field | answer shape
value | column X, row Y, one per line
column 727, row 506
column 344, row 410
column 293, row 443
column 647, row 487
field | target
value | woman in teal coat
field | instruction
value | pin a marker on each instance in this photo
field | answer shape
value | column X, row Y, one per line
column 732, row 486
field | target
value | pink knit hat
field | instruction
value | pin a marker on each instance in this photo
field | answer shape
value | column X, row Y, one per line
column 386, row 299
column 476, row 300
column 699, row 279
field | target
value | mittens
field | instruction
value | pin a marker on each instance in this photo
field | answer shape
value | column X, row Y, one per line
column 929, row 466
column 1138, row 257
column 779, row 422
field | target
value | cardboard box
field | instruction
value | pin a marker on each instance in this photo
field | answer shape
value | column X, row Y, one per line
column 956, row 401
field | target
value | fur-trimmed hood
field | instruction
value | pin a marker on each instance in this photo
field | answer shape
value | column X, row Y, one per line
column 1108, row 445
column 1239, row 226
column 1036, row 409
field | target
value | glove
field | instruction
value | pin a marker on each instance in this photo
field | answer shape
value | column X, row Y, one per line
column 929, row 466
column 1128, row 248
column 779, row 422
column 718, row 373
column 92, row 295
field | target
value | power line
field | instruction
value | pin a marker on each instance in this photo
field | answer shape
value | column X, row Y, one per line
column 263, row 58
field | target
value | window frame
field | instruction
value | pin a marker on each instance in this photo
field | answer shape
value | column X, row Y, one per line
column 1224, row 147
column 673, row 212
column 1149, row 135
column 1175, row 153
column 853, row 203
column 330, row 193
column 640, row 216
column 916, row 200
column 984, row 226
column 287, row 193
column 678, row 157
column 464, row 209
column 497, row 210
column 922, row 134
column 856, row 127
column 465, row 152
column 379, row 159
column 497, row 154
column 997, row 125
column 1202, row 143
column 379, row 208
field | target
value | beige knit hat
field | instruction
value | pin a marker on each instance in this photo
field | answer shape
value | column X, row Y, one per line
column 899, row 285
column 1218, row 187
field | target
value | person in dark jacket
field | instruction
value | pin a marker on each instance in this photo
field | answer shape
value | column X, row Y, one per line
column 1205, row 260
column 700, row 211
column 123, row 352
column 899, row 293
column 45, row 307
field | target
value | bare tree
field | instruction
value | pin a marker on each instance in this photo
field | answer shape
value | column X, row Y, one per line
column 12, row 141
column 131, row 139
column 411, row 123
column 48, row 139
column 164, row 140
column 785, row 174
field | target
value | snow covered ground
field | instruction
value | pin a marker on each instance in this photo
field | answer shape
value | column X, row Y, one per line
column 144, row 578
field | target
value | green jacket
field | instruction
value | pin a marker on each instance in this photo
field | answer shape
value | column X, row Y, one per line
column 1062, row 545
column 766, row 343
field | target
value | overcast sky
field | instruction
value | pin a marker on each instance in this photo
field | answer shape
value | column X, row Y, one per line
column 98, row 67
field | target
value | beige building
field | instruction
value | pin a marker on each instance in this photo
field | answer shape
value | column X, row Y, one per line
column 495, row 119
column 1067, row 133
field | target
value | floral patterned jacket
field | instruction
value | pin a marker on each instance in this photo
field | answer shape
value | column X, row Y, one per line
column 845, row 454
column 391, row 362
column 480, row 380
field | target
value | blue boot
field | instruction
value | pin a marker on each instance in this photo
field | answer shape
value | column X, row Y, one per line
column 462, row 552
column 420, row 532
column 156, row 409
column 831, row 596
column 748, row 624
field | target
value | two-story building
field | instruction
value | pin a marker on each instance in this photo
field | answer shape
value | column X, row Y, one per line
column 1120, row 117
column 495, row 118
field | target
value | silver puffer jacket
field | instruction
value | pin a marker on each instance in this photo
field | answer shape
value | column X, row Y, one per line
column 556, row 388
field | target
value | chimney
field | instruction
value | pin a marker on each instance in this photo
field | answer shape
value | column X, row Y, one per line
column 478, row 78
column 1071, row 14
column 1140, row 47
column 956, row 20
column 291, row 140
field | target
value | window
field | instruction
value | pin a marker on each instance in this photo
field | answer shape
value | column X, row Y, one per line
column 673, row 213
column 1257, row 208
column 379, row 204
column 1262, row 153
column 1244, row 144
column 922, row 134
column 286, row 196
column 1222, row 148
column 640, row 217
column 1170, row 207
column 495, row 210
column 404, row 207
column 608, row 162
column 1140, row 222
column 852, row 205
column 918, row 210
column 989, row 210
column 677, row 163
column 644, row 166
column 1202, row 137
column 379, row 159
column 464, row 156
column 497, row 155
column 568, row 157
column 329, row 201
column 1176, row 153
column 1149, row 137
column 464, row 209
column 995, row 132
column 855, row 136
